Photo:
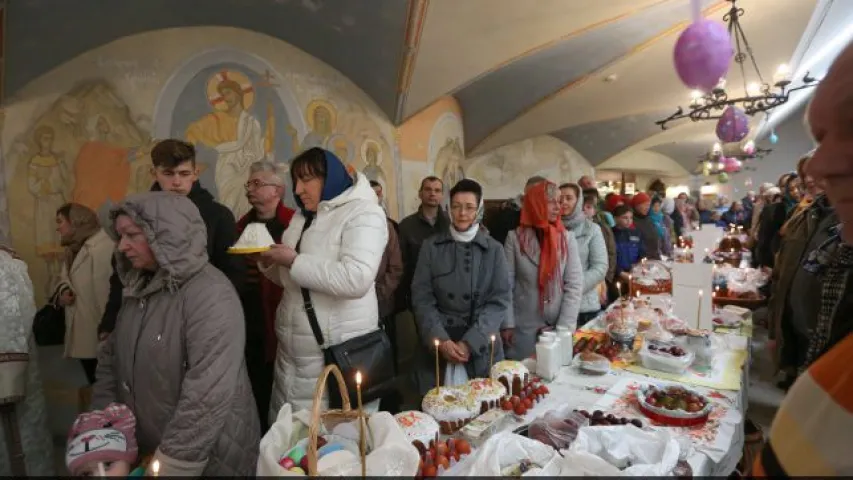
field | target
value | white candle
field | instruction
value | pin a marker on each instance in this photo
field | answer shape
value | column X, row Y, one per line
column 699, row 312
column 492, row 354
column 437, row 375
column 360, row 423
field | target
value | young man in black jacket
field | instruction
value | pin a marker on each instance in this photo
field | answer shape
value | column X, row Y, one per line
column 175, row 170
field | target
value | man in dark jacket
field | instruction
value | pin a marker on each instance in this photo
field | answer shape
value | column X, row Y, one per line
column 175, row 170
column 508, row 217
column 260, row 296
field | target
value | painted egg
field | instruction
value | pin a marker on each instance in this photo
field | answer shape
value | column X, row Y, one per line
column 287, row 463
column 332, row 447
column 297, row 471
column 703, row 54
column 733, row 125
column 296, row 454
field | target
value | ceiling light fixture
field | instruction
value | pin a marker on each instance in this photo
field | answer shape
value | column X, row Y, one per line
column 760, row 96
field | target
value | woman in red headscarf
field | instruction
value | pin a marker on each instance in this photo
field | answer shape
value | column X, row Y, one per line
column 545, row 271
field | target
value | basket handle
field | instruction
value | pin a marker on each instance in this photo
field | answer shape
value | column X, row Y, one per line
column 314, row 428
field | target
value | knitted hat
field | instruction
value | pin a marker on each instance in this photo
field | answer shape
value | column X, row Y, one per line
column 640, row 199
column 613, row 202
column 107, row 435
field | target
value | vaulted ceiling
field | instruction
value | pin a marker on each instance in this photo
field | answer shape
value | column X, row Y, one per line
column 594, row 73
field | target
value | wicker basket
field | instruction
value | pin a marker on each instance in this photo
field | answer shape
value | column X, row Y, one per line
column 331, row 418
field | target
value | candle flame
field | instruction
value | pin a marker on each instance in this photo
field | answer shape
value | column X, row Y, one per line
column 358, row 377
column 700, row 293
column 436, row 343
column 493, row 338
column 155, row 467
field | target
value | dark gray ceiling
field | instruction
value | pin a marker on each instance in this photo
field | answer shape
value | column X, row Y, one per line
column 363, row 42
column 499, row 97
column 598, row 141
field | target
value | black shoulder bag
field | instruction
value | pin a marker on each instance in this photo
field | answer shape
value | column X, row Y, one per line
column 370, row 354
column 49, row 323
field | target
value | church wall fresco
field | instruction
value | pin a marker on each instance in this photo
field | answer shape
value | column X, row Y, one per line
column 83, row 132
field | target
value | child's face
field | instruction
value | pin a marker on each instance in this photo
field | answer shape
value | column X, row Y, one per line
column 111, row 469
column 625, row 220
column 589, row 210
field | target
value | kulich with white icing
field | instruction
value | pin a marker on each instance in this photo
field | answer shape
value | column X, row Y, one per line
column 451, row 407
column 487, row 393
column 255, row 235
column 512, row 374
column 418, row 426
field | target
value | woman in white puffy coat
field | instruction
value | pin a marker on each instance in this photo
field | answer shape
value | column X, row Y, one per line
column 343, row 235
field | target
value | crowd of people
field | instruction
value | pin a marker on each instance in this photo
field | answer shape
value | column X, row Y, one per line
column 203, row 347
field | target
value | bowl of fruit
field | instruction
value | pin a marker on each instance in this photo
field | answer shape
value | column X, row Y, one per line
column 673, row 405
column 665, row 357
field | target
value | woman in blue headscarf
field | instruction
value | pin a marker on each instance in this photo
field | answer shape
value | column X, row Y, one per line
column 331, row 250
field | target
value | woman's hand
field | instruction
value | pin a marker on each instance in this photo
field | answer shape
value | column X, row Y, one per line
column 66, row 298
column 280, row 255
column 464, row 350
column 451, row 352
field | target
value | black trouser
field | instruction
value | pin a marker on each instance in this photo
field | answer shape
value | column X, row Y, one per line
column 389, row 324
column 89, row 366
column 261, row 374
column 585, row 317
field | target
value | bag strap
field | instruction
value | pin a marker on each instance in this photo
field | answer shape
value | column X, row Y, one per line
column 306, row 294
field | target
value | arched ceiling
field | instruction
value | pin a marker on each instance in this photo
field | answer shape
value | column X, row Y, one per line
column 595, row 74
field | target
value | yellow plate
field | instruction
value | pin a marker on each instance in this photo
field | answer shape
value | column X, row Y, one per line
column 246, row 251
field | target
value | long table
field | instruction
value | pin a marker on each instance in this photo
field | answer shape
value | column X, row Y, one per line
column 713, row 450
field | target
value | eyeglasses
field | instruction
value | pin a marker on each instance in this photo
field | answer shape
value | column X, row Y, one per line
column 256, row 184
column 463, row 208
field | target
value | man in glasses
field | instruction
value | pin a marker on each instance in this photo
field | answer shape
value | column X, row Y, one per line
column 265, row 191
column 174, row 169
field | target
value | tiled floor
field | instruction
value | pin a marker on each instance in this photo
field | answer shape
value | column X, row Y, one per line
column 764, row 396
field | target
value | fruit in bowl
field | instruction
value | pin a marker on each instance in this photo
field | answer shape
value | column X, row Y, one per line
column 666, row 349
column 675, row 398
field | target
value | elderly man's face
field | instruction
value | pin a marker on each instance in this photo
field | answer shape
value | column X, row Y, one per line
column 830, row 117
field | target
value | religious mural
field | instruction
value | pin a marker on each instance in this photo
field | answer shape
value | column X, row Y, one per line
column 81, row 149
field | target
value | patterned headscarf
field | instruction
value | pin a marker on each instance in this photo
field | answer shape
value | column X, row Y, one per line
column 553, row 248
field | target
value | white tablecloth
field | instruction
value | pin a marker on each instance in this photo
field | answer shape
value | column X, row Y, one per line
column 581, row 391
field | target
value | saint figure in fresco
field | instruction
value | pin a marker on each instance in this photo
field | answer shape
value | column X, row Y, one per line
column 449, row 161
column 102, row 170
column 47, row 176
column 320, row 116
column 235, row 134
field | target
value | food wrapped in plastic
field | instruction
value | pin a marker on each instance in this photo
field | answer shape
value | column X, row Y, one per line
column 651, row 277
column 558, row 428
column 666, row 357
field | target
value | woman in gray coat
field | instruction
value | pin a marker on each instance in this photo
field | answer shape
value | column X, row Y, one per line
column 175, row 357
column 460, row 291
column 545, row 270
column 591, row 249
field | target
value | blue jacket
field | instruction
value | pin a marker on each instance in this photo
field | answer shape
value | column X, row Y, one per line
column 629, row 248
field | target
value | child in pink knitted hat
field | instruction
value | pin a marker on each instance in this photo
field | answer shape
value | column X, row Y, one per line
column 102, row 443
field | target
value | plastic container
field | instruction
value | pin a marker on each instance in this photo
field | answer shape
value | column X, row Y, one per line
column 548, row 357
column 566, row 344
column 664, row 362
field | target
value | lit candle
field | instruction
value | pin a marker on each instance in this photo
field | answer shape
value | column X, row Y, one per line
column 630, row 285
column 782, row 74
column 619, row 289
column 699, row 311
column 155, row 468
column 437, row 376
column 492, row 353
column 360, row 423
column 638, row 294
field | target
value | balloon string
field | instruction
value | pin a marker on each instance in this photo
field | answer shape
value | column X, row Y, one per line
column 696, row 9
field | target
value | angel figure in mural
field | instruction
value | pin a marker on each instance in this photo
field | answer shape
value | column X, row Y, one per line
column 47, row 177
column 321, row 118
column 235, row 134
column 448, row 162
column 340, row 145
column 101, row 170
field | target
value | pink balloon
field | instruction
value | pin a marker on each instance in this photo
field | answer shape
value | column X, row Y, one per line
column 730, row 165
column 703, row 54
column 733, row 125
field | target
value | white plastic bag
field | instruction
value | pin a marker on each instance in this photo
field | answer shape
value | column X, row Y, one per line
column 623, row 451
column 455, row 374
column 389, row 451
column 504, row 450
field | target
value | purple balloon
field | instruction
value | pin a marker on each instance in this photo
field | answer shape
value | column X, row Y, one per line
column 703, row 54
column 733, row 125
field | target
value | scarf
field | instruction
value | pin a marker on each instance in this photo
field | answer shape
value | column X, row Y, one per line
column 576, row 218
column 657, row 220
column 468, row 235
column 338, row 179
column 84, row 224
column 553, row 248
